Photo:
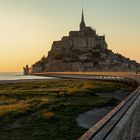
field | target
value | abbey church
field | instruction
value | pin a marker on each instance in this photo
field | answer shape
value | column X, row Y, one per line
column 82, row 50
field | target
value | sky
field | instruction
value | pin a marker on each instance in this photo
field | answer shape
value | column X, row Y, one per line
column 28, row 27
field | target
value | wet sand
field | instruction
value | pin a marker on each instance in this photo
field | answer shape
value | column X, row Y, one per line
column 89, row 118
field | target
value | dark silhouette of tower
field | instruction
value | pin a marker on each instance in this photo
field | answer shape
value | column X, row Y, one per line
column 82, row 24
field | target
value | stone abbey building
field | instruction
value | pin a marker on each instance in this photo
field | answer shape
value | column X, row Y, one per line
column 82, row 50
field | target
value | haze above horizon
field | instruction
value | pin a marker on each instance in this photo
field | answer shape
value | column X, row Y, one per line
column 28, row 27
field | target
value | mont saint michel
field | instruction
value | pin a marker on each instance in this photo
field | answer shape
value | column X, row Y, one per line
column 80, row 77
column 82, row 50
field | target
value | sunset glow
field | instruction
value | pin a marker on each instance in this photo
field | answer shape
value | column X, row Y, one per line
column 28, row 27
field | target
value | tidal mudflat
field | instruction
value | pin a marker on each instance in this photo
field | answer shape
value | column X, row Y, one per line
column 48, row 109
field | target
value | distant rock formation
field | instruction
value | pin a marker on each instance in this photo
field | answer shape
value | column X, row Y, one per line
column 82, row 50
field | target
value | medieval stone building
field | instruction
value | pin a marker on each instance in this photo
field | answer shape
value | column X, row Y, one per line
column 77, row 51
column 82, row 50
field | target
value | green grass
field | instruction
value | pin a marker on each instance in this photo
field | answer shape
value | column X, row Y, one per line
column 47, row 110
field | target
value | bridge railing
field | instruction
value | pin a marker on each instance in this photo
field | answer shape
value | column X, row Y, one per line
column 105, row 128
column 99, row 77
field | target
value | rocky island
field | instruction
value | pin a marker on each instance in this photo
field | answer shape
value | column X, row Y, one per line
column 82, row 50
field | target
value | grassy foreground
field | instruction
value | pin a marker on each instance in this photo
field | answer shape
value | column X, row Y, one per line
column 46, row 110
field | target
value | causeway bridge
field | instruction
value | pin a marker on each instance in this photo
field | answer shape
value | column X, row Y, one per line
column 121, row 123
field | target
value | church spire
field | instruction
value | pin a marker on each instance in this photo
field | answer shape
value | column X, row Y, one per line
column 82, row 15
column 82, row 24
